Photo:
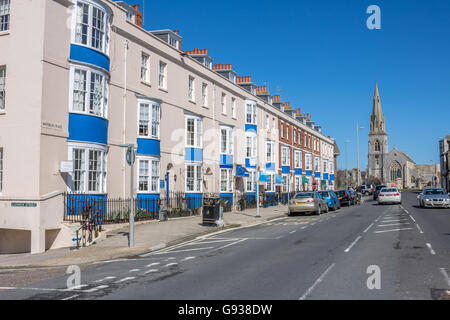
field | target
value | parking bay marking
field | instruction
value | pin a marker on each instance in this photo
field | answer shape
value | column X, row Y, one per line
column 391, row 230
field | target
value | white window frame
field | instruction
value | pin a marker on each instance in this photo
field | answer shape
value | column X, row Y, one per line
column 228, row 143
column 191, row 89
column 298, row 183
column 308, row 161
column 204, row 95
column 297, row 159
column 197, row 182
column 226, row 179
column 252, row 147
column 90, row 72
column 162, row 78
column 285, row 156
column 282, row 129
column 252, row 179
column 1, row 170
column 153, row 121
column 5, row 9
column 87, row 147
column 223, row 103
column 287, row 131
column 90, row 34
column 2, row 88
column 285, row 185
column 317, row 164
column 270, row 186
column 197, row 134
column 145, row 67
column 154, row 174
column 325, row 166
column 250, row 113
column 233, row 108
column 270, row 157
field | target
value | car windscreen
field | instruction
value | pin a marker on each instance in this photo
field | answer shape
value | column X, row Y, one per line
column 434, row 191
column 304, row 195
column 341, row 193
column 324, row 194
column 388, row 190
column 380, row 187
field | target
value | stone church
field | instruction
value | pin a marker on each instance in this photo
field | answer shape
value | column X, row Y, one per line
column 393, row 168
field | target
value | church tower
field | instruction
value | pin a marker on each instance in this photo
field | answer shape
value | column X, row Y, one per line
column 378, row 144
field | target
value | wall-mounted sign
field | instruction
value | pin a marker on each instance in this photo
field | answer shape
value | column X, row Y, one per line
column 50, row 125
column 23, row 204
column 66, row 166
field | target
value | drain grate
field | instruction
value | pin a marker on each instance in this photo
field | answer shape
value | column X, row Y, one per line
column 440, row 294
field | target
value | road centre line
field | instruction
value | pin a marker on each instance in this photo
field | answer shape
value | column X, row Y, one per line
column 353, row 243
column 431, row 248
column 322, row 276
column 447, row 278
column 392, row 230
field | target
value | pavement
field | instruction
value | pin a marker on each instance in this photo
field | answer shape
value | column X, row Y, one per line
column 368, row 252
column 149, row 236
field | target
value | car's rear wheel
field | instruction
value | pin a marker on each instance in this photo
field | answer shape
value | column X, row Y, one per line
column 319, row 211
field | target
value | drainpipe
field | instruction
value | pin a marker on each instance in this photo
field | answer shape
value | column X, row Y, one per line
column 124, row 96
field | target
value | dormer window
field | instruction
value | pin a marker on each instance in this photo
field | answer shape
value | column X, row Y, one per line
column 173, row 42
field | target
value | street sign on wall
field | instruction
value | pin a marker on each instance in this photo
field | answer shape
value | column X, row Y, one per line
column 131, row 156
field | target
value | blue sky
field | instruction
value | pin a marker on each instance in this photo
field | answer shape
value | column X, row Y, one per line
column 325, row 60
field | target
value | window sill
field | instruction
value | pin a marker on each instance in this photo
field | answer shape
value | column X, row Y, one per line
column 148, row 138
column 205, row 106
column 4, row 33
column 146, row 83
column 2, row 112
column 192, row 101
column 163, row 89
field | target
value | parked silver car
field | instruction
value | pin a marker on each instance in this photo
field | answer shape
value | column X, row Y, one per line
column 434, row 198
column 307, row 202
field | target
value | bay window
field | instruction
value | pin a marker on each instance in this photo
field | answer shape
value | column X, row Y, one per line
column 91, row 26
column 148, row 120
column 194, row 178
column 89, row 168
column 89, row 91
column 194, row 133
column 4, row 15
column 226, row 140
column 226, row 180
column 148, row 178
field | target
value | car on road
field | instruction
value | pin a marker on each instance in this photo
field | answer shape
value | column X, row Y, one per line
column 332, row 200
column 389, row 195
column 366, row 189
column 304, row 202
column 344, row 197
column 377, row 190
column 434, row 198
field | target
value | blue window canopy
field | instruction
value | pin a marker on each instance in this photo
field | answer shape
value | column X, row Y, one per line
column 241, row 172
column 279, row 179
column 264, row 177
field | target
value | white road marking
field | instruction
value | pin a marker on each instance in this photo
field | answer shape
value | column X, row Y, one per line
column 152, row 264
column 293, row 231
column 412, row 218
column 392, row 224
column 184, row 250
column 303, row 297
column 105, row 278
column 431, row 248
column 369, row 227
column 214, row 241
column 96, row 288
column 76, row 287
column 353, row 243
column 230, row 244
column 134, row 270
column 418, row 227
column 125, row 279
column 170, row 258
column 303, row 227
column 71, row 297
column 188, row 258
column 151, row 270
column 171, row 264
column 392, row 230
column 394, row 220
column 447, row 278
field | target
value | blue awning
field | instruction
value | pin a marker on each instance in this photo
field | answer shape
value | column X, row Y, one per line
column 264, row 177
column 241, row 172
column 279, row 179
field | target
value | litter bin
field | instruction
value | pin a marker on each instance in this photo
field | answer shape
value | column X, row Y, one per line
column 163, row 215
column 211, row 211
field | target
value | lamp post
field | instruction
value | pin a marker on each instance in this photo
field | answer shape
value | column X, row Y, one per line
column 357, row 150
column 346, row 170
column 131, row 158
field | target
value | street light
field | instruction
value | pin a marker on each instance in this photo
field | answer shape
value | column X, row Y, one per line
column 357, row 150
column 346, row 171
column 131, row 158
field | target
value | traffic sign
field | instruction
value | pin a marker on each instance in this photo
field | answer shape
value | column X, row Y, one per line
column 131, row 155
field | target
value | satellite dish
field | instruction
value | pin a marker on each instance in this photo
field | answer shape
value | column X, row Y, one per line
column 169, row 166
column 208, row 171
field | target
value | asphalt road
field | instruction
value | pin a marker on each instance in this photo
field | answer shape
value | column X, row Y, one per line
column 361, row 252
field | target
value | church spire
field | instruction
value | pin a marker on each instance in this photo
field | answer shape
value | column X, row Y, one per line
column 377, row 118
